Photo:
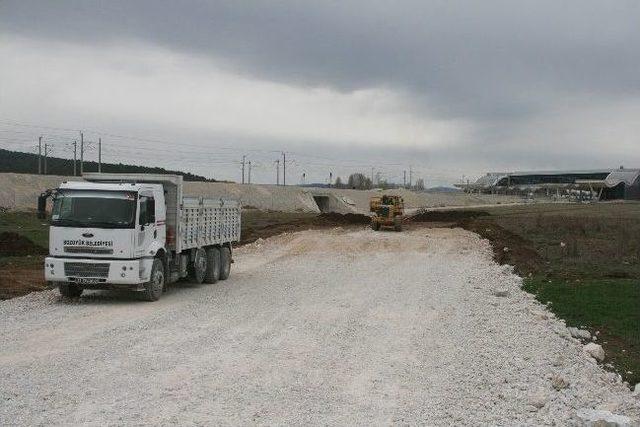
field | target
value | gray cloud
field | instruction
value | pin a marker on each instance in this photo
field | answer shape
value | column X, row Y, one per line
column 503, row 65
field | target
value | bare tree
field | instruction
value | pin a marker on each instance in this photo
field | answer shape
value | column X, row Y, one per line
column 359, row 181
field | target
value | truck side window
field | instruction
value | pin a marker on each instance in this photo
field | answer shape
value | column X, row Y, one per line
column 151, row 210
column 142, row 215
column 147, row 210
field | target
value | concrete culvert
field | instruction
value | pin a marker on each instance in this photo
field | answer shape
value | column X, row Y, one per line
column 323, row 203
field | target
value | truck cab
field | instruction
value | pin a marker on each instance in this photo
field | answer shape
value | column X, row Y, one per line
column 123, row 224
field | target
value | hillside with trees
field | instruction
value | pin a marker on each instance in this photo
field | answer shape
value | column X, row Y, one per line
column 19, row 162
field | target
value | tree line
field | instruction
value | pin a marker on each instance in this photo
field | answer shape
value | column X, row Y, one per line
column 359, row 181
column 19, row 162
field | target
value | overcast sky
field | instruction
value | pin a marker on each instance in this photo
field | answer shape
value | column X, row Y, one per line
column 449, row 88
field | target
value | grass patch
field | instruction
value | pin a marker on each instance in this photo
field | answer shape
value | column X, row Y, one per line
column 28, row 225
column 611, row 306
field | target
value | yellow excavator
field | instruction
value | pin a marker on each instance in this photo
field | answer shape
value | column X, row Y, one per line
column 388, row 211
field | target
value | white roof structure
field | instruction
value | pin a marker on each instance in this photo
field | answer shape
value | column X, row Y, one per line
column 627, row 176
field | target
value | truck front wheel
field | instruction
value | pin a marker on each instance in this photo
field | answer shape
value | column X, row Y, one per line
column 225, row 263
column 153, row 288
column 70, row 290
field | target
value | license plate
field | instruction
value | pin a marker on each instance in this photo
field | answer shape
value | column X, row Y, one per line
column 85, row 281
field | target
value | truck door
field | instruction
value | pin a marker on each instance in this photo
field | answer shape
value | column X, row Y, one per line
column 146, row 224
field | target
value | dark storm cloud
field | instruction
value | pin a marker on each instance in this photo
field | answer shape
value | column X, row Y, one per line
column 532, row 77
column 466, row 59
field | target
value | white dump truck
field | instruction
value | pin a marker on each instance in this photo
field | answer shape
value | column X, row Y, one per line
column 138, row 232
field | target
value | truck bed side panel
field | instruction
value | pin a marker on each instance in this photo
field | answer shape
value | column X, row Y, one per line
column 206, row 222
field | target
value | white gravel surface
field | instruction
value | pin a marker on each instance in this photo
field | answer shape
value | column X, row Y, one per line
column 318, row 327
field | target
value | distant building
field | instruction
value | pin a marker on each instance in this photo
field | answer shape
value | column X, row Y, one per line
column 621, row 184
column 603, row 184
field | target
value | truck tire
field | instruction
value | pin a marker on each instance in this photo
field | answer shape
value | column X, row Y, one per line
column 213, row 265
column 154, row 287
column 375, row 225
column 225, row 263
column 198, row 268
column 70, row 290
column 397, row 224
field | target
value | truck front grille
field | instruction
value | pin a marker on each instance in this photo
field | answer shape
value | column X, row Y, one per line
column 81, row 269
column 87, row 250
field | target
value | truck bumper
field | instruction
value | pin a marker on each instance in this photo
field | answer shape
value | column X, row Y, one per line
column 98, row 273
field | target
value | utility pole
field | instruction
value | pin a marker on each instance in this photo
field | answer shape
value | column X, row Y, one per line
column 243, row 161
column 410, row 176
column 75, row 155
column 81, row 153
column 330, row 178
column 99, row 155
column 249, row 171
column 284, row 168
column 46, row 152
column 371, row 175
column 278, row 172
column 404, row 179
column 39, row 155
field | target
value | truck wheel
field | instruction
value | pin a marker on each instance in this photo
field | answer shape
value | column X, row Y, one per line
column 70, row 290
column 154, row 287
column 397, row 224
column 225, row 263
column 213, row 266
column 375, row 225
column 198, row 268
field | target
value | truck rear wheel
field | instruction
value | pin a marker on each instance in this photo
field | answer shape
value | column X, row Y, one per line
column 154, row 287
column 70, row 290
column 213, row 265
column 397, row 224
column 225, row 263
column 198, row 268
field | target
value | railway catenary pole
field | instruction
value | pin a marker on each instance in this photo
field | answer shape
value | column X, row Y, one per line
column 75, row 156
column 46, row 152
column 81, row 153
column 278, row 172
column 99, row 154
column 39, row 155
column 284, row 168
column 243, row 161
column 249, row 171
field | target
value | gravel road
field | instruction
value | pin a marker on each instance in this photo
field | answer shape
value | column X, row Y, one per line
column 318, row 327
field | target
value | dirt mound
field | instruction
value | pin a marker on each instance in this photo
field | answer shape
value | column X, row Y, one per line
column 508, row 248
column 446, row 216
column 14, row 244
column 333, row 218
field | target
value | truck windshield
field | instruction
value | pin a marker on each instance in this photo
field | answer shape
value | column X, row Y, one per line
column 94, row 209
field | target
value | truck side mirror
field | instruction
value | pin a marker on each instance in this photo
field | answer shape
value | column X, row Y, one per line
column 42, row 204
